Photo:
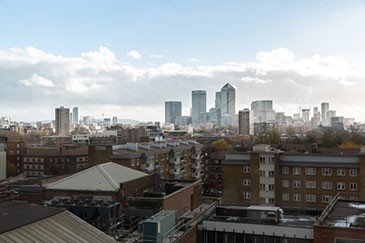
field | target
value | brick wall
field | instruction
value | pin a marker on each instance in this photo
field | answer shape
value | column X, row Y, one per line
column 184, row 199
column 135, row 188
column 328, row 234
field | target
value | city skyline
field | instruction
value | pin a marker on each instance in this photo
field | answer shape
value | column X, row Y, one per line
column 126, row 65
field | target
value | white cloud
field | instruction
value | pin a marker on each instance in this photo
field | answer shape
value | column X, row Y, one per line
column 37, row 80
column 193, row 60
column 96, row 79
column 134, row 54
column 156, row 56
column 274, row 57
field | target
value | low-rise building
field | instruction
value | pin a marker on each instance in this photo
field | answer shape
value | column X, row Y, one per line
column 292, row 179
column 38, row 160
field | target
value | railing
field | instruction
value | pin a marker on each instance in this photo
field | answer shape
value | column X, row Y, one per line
column 9, row 195
column 328, row 209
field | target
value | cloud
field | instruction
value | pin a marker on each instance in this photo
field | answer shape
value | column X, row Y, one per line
column 37, row 80
column 134, row 54
column 156, row 56
column 193, row 60
column 97, row 79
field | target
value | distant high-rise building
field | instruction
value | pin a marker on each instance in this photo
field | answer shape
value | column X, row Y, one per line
column 115, row 120
column 215, row 116
column 75, row 115
column 244, row 122
column 172, row 110
column 226, row 100
column 107, row 122
column 325, row 107
column 199, row 105
column 305, row 115
column 263, row 111
column 62, row 121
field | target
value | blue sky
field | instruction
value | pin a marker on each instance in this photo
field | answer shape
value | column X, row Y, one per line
column 178, row 32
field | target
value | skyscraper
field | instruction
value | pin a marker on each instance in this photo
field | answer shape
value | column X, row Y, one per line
column 75, row 116
column 263, row 111
column 115, row 120
column 325, row 107
column 199, row 105
column 62, row 121
column 226, row 100
column 172, row 110
column 244, row 122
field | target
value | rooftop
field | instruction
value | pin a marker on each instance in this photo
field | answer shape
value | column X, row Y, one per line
column 15, row 215
column 344, row 213
column 22, row 222
column 103, row 177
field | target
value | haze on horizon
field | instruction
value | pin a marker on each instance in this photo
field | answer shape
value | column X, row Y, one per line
column 125, row 58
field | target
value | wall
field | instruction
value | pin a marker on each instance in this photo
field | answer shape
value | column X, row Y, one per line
column 184, row 199
column 328, row 234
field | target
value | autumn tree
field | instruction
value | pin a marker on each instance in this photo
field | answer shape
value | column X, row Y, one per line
column 221, row 145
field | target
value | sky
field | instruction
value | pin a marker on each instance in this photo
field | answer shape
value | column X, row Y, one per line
column 126, row 58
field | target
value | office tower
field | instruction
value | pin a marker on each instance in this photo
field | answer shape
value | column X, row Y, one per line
column 115, row 120
column 75, row 115
column 215, row 116
column 244, row 122
column 199, row 105
column 305, row 115
column 172, row 110
column 226, row 100
column 325, row 107
column 62, row 121
column 106, row 122
column 262, row 111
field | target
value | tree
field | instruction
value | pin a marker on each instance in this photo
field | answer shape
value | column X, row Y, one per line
column 349, row 145
column 11, row 170
column 221, row 145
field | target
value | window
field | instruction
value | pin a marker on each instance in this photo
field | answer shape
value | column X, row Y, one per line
column 353, row 172
column 310, row 184
column 296, row 197
column 285, row 183
column 271, row 173
column 271, row 160
column 285, row 170
column 326, row 198
column 341, row 186
column 353, row 186
column 246, row 182
column 340, row 172
column 262, row 187
column 262, row 200
column 262, row 173
column 296, row 184
column 311, row 198
column 271, row 200
column 247, row 169
column 262, row 160
column 271, row 187
column 326, row 184
column 326, row 171
column 285, row 196
column 310, row 171
column 296, row 171
column 247, row 195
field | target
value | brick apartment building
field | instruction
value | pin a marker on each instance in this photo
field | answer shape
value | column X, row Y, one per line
column 14, row 153
column 291, row 179
column 40, row 160
column 171, row 159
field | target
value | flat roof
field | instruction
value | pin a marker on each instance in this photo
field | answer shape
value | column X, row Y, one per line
column 346, row 214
